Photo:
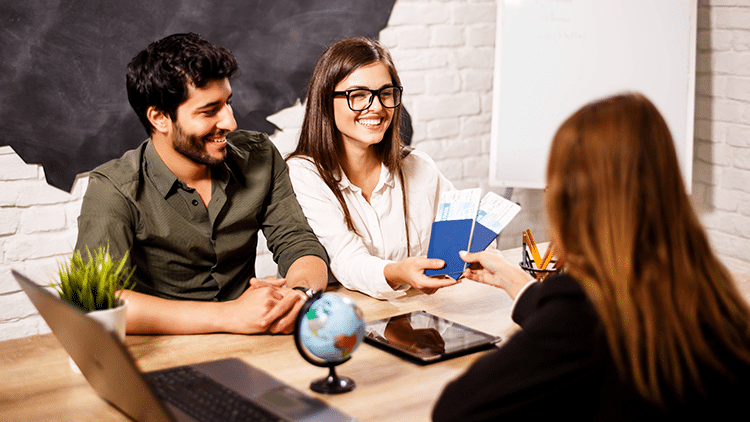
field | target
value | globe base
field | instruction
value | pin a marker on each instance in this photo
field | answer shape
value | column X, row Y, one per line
column 333, row 384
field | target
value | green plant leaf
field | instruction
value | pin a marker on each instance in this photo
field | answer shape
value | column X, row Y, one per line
column 95, row 283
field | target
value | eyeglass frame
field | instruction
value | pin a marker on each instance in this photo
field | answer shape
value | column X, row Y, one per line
column 373, row 93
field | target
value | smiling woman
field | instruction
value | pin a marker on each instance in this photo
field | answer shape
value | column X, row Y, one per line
column 361, row 119
column 369, row 199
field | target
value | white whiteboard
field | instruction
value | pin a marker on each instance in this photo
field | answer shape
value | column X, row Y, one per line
column 554, row 56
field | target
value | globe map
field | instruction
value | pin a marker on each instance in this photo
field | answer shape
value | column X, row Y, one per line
column 332, row 328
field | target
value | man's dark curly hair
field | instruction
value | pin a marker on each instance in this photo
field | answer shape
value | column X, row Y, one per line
column 159, row 75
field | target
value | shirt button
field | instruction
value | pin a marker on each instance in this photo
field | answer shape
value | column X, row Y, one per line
column 195, row 202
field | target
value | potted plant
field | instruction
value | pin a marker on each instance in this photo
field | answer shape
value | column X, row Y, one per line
column 95, row 286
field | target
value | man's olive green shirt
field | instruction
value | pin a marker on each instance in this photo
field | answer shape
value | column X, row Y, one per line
column 182, row 249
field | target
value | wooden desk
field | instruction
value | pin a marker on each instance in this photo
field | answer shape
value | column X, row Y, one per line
column 36, row 383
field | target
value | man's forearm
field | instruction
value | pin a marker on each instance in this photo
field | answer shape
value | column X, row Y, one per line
column 257, row 310
column 308, row 271
column 148, row 314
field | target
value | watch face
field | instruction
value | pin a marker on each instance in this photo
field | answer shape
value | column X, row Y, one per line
column 307, row 291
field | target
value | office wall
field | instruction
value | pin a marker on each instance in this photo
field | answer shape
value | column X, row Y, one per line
column 721, row 165
column 444, row 52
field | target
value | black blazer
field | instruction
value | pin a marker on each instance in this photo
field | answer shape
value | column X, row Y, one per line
column 560, row 365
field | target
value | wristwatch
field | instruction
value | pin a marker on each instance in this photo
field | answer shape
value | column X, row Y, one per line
column 306, row 290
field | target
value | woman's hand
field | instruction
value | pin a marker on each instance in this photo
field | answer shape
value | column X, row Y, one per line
column 410, row 271
column 491, row 267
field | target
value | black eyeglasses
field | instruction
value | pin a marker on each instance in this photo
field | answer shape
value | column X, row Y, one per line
column 361, row 99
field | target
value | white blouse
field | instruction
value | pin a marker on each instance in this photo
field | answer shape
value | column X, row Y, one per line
column 358, row 262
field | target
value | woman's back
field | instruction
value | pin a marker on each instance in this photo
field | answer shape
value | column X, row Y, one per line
column 560, row 365
column 646, row 321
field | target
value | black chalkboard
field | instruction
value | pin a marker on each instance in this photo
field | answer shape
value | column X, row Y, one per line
column 62, row 66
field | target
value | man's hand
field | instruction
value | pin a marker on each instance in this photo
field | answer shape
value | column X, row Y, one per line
column 264, row 307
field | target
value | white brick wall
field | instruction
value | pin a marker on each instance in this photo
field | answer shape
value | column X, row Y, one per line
column 37, row 228
column 721, row 181
column 444, row 51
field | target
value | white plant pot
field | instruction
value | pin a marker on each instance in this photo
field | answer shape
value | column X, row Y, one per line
column 114, row 319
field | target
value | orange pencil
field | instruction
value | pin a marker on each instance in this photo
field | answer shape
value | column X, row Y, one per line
column 534, row 249
column 547, row 256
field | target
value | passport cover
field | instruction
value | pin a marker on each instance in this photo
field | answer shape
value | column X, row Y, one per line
column 446, row 240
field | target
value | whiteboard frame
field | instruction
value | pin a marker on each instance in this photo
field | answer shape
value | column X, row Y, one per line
column 683, row 146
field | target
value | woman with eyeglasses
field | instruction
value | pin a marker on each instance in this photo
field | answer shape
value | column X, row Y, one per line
column 370, row 200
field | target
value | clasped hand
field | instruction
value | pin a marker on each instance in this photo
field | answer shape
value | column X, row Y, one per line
column 267, row 306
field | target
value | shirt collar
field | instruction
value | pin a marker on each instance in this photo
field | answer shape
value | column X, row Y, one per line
column 386, row 178
column 163, row 178
column 166, row 182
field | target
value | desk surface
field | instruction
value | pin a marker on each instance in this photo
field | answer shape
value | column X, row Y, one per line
column 38, row 385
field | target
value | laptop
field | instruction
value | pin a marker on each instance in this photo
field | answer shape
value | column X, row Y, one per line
column 155, row 396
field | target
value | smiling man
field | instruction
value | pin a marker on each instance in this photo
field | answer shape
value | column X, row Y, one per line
column 189, row 202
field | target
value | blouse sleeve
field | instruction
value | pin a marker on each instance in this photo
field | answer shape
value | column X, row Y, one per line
column 425, row 184
column 351, row 262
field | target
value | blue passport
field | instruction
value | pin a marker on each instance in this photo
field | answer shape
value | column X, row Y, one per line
column 449, row 235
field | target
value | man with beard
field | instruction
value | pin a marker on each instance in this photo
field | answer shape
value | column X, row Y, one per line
column 187, row 204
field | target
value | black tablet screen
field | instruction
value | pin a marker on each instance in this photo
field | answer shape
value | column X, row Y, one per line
column 426, row 337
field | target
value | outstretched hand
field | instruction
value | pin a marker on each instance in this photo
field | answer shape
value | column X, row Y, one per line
column 411, row 271
column 491, row 267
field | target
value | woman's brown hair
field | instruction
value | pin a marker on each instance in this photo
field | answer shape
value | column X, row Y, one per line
column 621, row 217
column 321, row 141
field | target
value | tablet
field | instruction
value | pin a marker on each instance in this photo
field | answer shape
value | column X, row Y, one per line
column 426, row 338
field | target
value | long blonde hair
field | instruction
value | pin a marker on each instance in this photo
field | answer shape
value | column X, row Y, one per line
column 621, row 218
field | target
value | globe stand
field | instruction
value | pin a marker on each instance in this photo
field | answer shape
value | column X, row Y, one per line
column 333, row 384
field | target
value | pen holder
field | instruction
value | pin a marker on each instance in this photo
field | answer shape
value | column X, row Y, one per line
column 527, row 264
column 539, row 273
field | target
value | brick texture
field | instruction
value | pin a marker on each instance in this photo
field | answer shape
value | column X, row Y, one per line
column 721, row 182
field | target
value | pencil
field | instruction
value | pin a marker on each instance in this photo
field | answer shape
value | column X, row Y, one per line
column 547, row 256
column 524, row 256
column 534, row 250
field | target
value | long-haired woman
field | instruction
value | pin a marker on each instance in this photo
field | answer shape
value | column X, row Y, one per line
column 370, row 200
column 646, row 323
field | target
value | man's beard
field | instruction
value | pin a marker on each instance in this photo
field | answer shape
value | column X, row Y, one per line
column 194, row 148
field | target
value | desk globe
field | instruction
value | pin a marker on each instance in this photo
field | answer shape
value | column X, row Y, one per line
column 328, row 329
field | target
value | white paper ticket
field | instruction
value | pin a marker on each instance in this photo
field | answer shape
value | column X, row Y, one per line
column 458, row 205
column 495, row 212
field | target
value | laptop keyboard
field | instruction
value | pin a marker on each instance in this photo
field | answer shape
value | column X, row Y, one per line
column 203, row 398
